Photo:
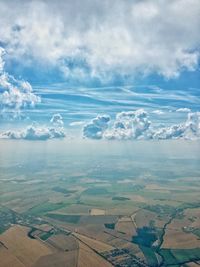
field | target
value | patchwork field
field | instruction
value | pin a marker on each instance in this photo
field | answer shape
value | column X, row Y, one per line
column 106, row 212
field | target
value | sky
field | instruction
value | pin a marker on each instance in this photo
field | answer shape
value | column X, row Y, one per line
column 123, row 70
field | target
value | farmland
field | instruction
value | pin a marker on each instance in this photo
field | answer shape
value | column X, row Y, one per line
column 111, row 211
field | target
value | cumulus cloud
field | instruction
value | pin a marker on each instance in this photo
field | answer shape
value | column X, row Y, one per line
column 14, row 94
column 36, row 132
column 130, row 125
column 105, row 36
column 190, row 129
column 96, row 128
column 57, row 120
column 136, row 125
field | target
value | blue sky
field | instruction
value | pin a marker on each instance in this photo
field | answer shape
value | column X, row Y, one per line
column 84, row 61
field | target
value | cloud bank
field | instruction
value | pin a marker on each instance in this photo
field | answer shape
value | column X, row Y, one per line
column 103, row 38
column 35, row 132
column 135, row 125
column 129, row 125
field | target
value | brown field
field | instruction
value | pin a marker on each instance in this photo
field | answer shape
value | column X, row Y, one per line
column 92, row 230
column 119, row 235
column 26, row 250
column 88, row 258
column 104, row 237
column 143, row 217
column 121, row 210
column 126, row 225
column 97, row 220
column 137, row 198
column 192, row 264
column 177, row 224
column 178, row 239
column 60, row 259
column 95, row 244
column 63, row 242
column 118, row 243
column 133, row 248
column 127, row 228
column 7, row 259
column 193, row 216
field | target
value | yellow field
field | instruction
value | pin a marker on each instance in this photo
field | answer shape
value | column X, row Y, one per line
column 7, row 259
column 26, row 250
column 60, row 259
column 88, row 258
column 97, row 212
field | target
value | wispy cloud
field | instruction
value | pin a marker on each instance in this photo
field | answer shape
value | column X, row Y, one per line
column 76, row 123
column 157, row 112
column 183, row 110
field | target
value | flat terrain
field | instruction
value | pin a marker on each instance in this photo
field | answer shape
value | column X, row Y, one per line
column 72, row 211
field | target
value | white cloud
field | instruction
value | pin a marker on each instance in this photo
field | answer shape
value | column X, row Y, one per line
column 96, row 128
column 158, row 112
column 190, row 129
column 183, row 110
column 136, row 125
column 123, row 36
column 14, row 94
column 130, row 125
column 57, row 120
column 2, row 52
column 36, row 132
column 76, row 123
